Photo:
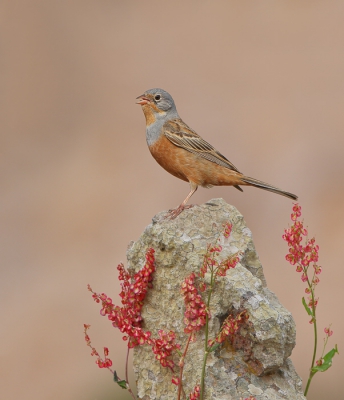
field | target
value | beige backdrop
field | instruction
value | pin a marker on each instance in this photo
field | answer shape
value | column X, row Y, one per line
column 262, row 81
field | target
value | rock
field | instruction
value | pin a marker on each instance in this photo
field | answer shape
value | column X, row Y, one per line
column 256, row 363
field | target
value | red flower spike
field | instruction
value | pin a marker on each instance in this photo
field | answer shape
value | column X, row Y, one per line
column 195, row 308
column 128, row 317
column 303, row 255
column 134, row 289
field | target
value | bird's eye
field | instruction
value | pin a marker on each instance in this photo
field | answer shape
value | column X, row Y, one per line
column 157, row 97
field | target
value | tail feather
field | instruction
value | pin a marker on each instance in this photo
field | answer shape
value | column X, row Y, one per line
column 262, row 185
column 238, row 187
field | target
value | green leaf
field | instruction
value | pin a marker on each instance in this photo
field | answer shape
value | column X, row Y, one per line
column 327, row 361
column 213, row 348
column 115, row 376
column 121, row 383
column 309, row 311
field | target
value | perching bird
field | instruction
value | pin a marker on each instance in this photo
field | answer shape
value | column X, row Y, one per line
column 184, row 154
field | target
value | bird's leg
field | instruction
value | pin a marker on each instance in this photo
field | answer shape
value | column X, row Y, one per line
column 174, row 213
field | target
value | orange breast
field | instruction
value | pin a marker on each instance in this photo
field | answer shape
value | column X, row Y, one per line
column 170, row 157
column 190, row 167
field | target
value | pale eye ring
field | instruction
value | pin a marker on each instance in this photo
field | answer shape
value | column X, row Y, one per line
column 157, row 97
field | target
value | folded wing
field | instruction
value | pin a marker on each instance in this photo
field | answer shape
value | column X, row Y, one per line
column 182, row 136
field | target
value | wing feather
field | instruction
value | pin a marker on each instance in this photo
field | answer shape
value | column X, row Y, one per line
column 181, row 135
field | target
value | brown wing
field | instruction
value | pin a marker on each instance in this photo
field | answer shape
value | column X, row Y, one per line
column 182, row 136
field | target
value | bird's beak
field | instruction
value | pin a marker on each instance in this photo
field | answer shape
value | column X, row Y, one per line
column 142, row 100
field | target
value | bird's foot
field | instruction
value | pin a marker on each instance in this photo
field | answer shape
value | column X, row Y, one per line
column 172, row 214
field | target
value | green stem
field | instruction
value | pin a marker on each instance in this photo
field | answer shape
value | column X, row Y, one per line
column 308, row 383
column 311, row 374
column 206, row 352
column 204, row 358
column 325, row 344
column 204, row 364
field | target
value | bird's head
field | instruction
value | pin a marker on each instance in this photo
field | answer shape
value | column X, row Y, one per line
column 157, row 104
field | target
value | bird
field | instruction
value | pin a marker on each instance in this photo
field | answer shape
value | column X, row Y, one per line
column 184, row 154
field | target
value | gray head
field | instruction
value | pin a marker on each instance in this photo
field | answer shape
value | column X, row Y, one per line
column 159, row 103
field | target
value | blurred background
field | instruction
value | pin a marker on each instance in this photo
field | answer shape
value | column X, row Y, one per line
column 262, row 81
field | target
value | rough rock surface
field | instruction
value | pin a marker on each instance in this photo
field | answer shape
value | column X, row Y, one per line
column 257, row 363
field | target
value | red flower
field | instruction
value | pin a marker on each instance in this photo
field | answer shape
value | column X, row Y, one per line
column 225, row 265
column 163, row 348
column 230, row 326
column 196, row 393
column 328, row 331
column 128, row 318
column 175, row 380
column 195, row 309
column 301, row 254
column 228, row 230
column 102, row 363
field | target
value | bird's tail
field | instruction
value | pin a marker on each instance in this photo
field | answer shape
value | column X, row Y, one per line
column 262, row 185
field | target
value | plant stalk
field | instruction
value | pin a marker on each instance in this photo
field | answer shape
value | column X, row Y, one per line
column 206, row 352
column 126, row 374
column 180, row 386
column 311, row 374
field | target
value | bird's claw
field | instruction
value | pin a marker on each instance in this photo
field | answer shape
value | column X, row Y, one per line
column 172, row 214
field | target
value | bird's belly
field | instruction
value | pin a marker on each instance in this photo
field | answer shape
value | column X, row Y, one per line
column 191, row 167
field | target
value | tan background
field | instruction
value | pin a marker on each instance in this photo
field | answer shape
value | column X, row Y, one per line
column 262, row 81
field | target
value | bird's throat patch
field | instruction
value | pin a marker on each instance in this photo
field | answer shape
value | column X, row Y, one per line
column 150, row 111
column 149, row 114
